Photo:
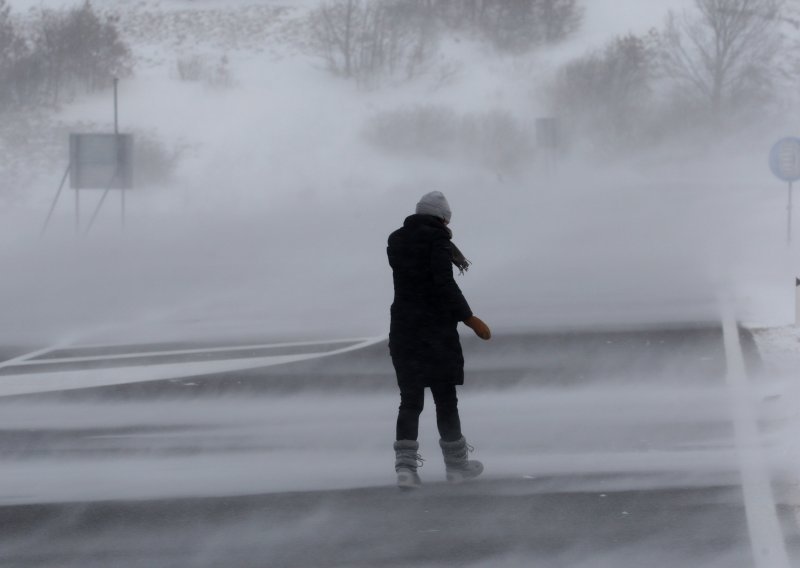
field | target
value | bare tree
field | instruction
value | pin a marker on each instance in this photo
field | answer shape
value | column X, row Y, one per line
column 559, row 19
column 518, row 25
column 81, row 51
column 608, row 93
column 368, row 40
column 8, row 34
column 12, row 49
column 724, row 53
column 21, row 69
column 333, row 28
column 8, row 42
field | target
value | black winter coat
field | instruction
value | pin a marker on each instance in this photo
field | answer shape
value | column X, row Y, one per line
column 428, row 304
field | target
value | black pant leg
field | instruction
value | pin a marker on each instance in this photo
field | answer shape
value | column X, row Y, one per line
column 412, row 402
column 447, row 418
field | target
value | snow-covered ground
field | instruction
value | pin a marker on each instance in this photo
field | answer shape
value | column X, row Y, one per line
column 777, row 382
column 317, row 441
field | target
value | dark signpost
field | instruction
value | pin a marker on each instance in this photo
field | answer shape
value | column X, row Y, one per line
column 98, row 161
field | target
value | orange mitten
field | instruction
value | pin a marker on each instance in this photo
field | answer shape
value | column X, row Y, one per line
column 481, row 329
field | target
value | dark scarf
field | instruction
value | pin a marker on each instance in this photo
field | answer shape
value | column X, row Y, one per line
column 459, row 260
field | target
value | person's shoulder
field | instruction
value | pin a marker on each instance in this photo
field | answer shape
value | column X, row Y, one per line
column 428, row 225
column 420, row 229
column 401, row 238
column 398, row 233
column 437, row 232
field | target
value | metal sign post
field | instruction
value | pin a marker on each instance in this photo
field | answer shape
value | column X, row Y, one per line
column 784, row 161
column 77, row 208
column 116, row 133
column 98, row 161
column 789, row 217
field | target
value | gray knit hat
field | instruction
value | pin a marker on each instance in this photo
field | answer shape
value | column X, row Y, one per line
column 434, row 203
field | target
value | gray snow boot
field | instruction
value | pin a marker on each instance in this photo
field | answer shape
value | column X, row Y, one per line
column 458, row 467
column 406, row 462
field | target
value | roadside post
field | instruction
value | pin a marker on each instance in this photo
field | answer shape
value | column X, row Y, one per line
column 784, row 161
column 97, row 161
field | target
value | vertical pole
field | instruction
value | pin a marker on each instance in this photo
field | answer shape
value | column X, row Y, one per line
column 117, row 146
column 123, row 205
column 116, row 108
column 123, row 208
column 789, row 243
column 789, row 217
column 77, row 211
column 797, row 301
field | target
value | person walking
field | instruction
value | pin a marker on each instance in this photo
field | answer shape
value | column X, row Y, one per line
column 423, row 337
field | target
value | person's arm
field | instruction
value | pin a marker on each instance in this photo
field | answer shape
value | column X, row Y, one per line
column 445, row 288
column 481, row 329
column 449, row 292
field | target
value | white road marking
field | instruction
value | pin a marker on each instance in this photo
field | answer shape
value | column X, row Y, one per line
column 30, row 383
column 32, row 360
column 22, row 359
column 64, row 343
column 284, row 344
column 766, row 535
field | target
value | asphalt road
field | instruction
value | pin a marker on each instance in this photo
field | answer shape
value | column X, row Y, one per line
column 496, row 523
column 590, row 463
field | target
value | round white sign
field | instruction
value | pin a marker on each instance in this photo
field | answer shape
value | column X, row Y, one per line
column 784, row 159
